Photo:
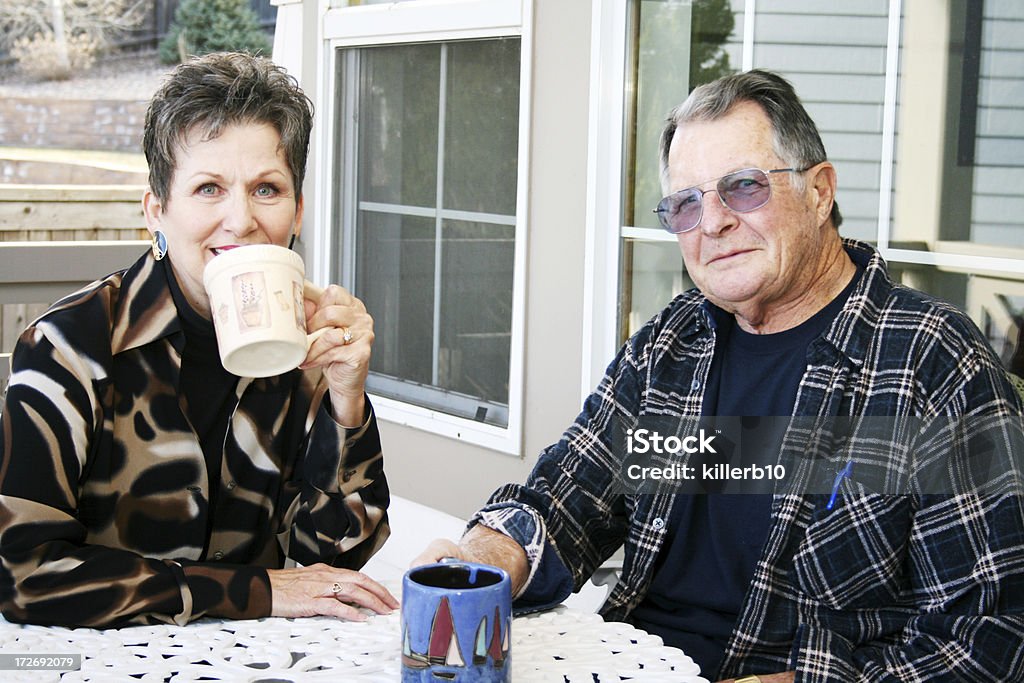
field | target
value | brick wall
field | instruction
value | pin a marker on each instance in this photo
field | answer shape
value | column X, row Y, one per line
column 110, row 125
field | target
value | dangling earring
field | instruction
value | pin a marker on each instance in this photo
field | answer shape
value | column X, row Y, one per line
column 291, row 242
column 159, row 245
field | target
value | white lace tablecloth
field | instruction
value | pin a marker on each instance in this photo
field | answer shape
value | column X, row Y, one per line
column 560, row 645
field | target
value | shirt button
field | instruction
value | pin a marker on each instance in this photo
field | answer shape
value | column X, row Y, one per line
column 695, row 385
column 658, row 524
column 218, row 555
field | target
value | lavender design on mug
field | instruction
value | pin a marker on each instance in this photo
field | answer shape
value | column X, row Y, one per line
column 251, row 302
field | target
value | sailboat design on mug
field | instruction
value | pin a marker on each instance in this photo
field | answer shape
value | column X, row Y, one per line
column 443, row 647
column 480, row 649
column 498, row 648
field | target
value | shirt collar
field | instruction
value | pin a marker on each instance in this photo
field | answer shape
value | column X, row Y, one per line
column 144, row 310
column 853, row 329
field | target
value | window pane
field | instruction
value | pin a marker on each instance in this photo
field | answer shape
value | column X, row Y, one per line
column 398, row 104
column 396, row 282
column 653, row 277
column 437, row 276
column 677, row 46
column 482, row 126
column 476, row 309
column 975, row 140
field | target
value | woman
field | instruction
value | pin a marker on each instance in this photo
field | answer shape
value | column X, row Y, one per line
column 141, row 482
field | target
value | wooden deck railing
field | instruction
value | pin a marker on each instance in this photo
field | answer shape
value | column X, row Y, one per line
column 56, row 238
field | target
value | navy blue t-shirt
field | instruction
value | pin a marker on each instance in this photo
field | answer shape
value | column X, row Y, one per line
column 714, row 540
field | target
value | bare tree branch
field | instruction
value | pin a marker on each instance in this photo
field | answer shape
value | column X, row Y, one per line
column 98, row 19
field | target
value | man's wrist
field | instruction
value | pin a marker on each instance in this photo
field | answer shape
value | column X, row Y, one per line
column 486, row 545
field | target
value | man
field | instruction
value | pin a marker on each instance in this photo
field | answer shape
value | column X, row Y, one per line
column 789, row 319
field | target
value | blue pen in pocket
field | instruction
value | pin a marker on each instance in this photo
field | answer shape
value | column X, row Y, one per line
column 843, row 474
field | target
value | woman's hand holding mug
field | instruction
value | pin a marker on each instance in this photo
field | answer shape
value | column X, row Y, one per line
column 269, row 320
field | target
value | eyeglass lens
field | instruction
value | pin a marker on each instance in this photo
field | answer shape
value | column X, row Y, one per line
column 741, row 191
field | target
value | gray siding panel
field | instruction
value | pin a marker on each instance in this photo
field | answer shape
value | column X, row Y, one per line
column 1000, row 152
column 858, row 174
column 999, row 210
column 1008, row 34
column 853, row 146
column 1002, row 63
column 1001, row 122
column 857, row 204
column 822, row 58
column 847, row 117
column 853, row 89
column 992, row 177
column 1001, row 92
column 1004, row 9
column 997, row 234
column 813, row 29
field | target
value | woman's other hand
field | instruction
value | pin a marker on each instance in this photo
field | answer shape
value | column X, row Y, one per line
column 323, row 590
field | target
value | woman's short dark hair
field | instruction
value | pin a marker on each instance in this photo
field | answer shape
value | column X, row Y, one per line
column 220, row 89
column 796, row 138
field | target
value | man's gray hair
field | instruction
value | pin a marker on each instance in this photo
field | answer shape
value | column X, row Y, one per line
column 795, row 137
column 211, row 92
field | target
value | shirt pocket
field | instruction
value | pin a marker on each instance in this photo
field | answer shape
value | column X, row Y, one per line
column 853, row 556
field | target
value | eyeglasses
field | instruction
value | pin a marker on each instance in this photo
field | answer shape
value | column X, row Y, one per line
column 741, row 191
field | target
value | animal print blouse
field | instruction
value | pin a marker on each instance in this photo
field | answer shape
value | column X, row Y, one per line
column 105, row 507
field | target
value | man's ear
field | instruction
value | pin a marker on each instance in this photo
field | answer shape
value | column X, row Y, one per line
column 823, row 183
column 152, row 209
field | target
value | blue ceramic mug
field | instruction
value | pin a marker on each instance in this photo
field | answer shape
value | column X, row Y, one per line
column 456, row 618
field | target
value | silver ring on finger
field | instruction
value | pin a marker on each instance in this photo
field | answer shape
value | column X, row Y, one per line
column 336, row 588
column 346, row 336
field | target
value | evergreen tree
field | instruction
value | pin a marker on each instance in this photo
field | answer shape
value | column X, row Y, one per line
column 204, row 26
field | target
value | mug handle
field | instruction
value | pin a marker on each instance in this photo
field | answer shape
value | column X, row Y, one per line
column 313, row 293
column 313, row 336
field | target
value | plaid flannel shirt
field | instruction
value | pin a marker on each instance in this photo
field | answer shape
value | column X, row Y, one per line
column 878, row 588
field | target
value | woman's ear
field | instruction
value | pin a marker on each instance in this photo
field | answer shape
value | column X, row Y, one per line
column 152, row 209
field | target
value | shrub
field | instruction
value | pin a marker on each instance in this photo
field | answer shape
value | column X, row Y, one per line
column 203, row 26
column 39, row 56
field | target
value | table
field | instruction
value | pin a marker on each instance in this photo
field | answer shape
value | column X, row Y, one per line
column 558, row 645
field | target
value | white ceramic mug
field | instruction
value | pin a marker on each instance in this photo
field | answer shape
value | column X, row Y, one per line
column 256, row 295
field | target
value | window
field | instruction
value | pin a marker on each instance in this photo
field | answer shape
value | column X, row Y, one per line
column 920, row 110
column 425, row 213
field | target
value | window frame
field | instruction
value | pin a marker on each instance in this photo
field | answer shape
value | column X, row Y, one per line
column 409, row 23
